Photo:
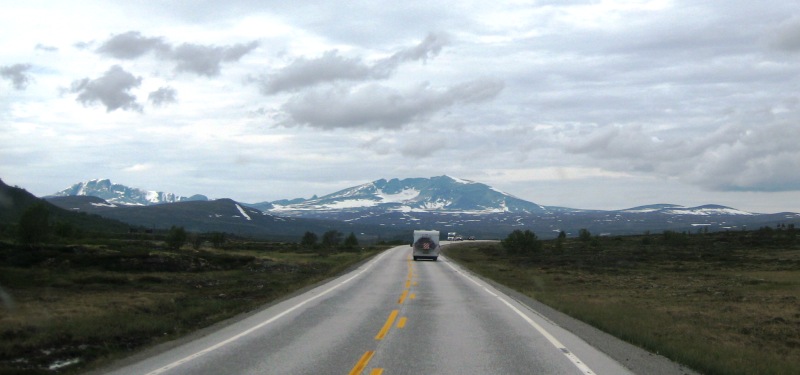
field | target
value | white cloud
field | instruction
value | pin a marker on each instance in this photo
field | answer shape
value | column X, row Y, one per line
column 554, row 101
column 138, row 168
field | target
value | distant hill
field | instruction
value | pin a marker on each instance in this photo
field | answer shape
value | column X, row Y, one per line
column 221, row 215
column 14, row 201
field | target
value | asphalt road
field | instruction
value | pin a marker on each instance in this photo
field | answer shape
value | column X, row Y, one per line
column 391, row 315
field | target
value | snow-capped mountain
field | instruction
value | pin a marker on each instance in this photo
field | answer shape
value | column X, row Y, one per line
column 435, row 194
column 124, row 195
column 388, row 207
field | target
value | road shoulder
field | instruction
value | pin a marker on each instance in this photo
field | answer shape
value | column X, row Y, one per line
column 634, row 358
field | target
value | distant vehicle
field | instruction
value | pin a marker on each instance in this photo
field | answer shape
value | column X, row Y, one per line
column 471, row 238
column 426, row 244
column 458, row 238
column 451, row 236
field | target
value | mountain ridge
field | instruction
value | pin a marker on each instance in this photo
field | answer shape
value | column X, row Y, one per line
column 442, row 193
column 382, row 207
column 121, row 194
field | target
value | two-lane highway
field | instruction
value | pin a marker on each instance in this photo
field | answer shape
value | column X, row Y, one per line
column 392, row 315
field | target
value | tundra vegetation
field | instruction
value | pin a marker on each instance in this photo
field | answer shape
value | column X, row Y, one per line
column 72, row 304
column 720, row 303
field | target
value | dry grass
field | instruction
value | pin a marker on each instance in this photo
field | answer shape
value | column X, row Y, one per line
column 720, row 307
column 87, row 305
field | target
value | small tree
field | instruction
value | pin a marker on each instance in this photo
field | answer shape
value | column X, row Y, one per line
column 196, row 240
column 584, row 235
column 309, row 240
column 351, row 242
column 562, row 236
column 217, row 239
column 176, row 237
column 331, row 238
column 34, row 224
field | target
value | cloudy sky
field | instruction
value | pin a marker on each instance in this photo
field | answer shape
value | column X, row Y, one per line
column 585, row 104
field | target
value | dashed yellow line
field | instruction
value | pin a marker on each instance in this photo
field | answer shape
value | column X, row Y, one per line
column 387, row 325
column 402, row 297
column 401, row 323
column 362, row 363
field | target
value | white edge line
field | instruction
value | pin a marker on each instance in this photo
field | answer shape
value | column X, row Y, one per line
column 554, row 341
column 262, row 324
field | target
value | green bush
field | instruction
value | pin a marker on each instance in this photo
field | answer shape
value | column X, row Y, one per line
column 176, row 237
column 520, row 243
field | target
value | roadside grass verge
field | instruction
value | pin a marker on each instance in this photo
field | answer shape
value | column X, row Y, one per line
column 717, row 303
column 75, row 308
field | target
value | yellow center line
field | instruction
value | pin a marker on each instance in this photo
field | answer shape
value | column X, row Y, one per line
column 362, row 363
column 408, row 284
column 401, row 322
column 412, row 295
column 402, row 297
column 387, row 325
column 376, row 371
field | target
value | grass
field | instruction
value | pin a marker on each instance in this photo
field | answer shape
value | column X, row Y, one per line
column 73, row 308
column 719, row 303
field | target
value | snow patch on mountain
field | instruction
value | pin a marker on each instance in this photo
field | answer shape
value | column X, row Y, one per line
column 460, row 181
column 351, row 203
column 403, row 196
column 104, row 205
column 708, row 211
column 238, row 207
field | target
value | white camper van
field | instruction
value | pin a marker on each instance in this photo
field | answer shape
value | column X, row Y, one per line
column 426, row 244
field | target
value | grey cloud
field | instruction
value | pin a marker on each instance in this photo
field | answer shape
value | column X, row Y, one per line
column 422, row 145
column 748, row 158
column 732, row 158
column 131, row 45
column 207, row 60
column 786, row 36
column 304, row 73
column 83, row 45
column 112, row 90
column 162, row 96
column 193, row 58
column 332, row 67
column 428, row 48
column 375, row 106
column 614, row 142
column 42, row 47
column 17, row 75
